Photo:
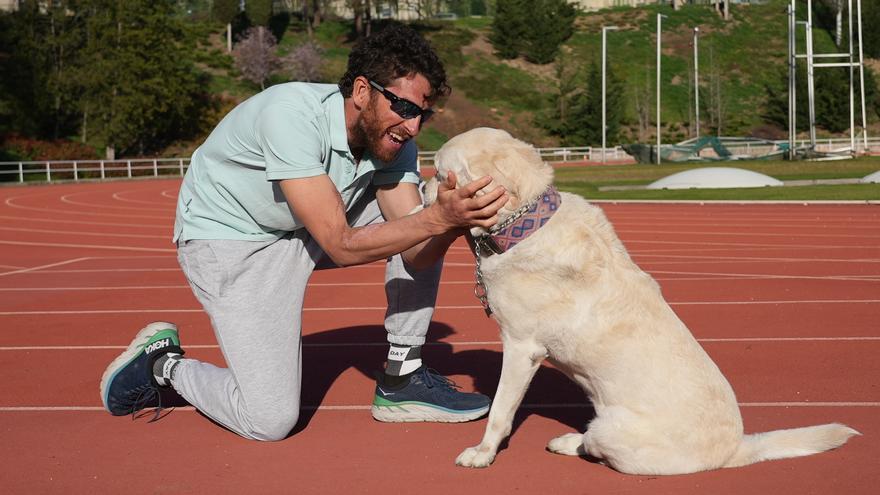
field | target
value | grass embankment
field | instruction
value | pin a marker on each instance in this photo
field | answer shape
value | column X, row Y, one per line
column 587, row 181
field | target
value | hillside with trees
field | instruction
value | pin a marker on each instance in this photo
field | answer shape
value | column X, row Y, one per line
column 91, row 78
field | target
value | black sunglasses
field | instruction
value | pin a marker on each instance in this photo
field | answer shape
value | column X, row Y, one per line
column 403, row 107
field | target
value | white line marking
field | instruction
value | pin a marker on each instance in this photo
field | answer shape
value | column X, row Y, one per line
column 166, row 287
column 383, row 308
column 66, row 199
column 727, row 276
column 484, row 343
column 81, row 222
column 89, row 246
column 25, row 270
column 461, row 307
column 363, row 407
column 686, row 234
column 9, row 202
column 81, row 233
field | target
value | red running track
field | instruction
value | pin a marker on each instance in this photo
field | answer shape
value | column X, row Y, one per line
column 785, row 298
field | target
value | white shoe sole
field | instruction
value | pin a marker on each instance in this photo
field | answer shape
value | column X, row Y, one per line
column 415, row 413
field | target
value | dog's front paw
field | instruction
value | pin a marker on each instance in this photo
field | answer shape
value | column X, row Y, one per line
column 475, row 457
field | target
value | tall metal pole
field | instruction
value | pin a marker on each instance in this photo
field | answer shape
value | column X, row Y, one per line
column 605, row 30
column 811, row 91
column 697, row 78
column 659, row 43
column 852, row 96
column 862, row 73
column 792, row 75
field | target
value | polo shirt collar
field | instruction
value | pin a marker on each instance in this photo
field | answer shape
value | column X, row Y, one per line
column 338, row 132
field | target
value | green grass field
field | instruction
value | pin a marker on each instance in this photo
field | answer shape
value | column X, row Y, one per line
column 588, row 181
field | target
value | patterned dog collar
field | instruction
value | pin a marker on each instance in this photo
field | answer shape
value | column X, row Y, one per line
column 523, row 223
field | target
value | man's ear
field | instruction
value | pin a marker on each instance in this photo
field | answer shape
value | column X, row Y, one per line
column 360, row 92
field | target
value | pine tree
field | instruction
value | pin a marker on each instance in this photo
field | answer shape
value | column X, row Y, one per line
column 510, row 27
column 138, row 90
column 550, row 23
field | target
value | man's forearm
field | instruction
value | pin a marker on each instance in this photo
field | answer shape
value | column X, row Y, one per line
column 421, row 238
column 425, row 254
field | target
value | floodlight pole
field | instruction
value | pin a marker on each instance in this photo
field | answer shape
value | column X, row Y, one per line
column 659, row 43
column 697, row 78
column 605, row 30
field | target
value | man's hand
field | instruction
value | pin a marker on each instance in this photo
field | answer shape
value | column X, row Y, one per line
column 465, row 207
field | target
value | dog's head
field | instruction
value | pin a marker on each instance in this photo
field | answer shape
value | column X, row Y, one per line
column 510, row 162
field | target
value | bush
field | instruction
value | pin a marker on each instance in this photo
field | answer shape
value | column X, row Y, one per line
column 27, row 149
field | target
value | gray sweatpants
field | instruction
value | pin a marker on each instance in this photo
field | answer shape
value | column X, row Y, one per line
column 253, row 293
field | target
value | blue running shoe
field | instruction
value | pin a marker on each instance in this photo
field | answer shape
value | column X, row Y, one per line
column 128, row 384
column 427, row 396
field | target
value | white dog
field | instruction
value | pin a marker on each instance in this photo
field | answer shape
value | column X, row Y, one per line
column 570, row 293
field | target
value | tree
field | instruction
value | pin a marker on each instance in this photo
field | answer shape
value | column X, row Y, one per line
column 38, row 50
column 225, row 11
column 831, row 96
column 551, row 22
column 135, row 99
column 258, row 11
column 116, row 72
column 586, row 118
column 305, row 62
column 255, row 55
column 535, row 30
column 871, row 35
column 509, row 27
column 577, row 115
column 556, row 120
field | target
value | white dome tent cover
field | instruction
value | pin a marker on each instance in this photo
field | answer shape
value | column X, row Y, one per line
column 714, row 178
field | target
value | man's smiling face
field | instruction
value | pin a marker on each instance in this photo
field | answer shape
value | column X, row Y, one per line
column 383, row 130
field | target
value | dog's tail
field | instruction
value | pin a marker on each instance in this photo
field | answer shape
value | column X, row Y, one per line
column 796, row 442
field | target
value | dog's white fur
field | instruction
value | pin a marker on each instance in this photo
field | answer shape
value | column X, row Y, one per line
column 570, row 293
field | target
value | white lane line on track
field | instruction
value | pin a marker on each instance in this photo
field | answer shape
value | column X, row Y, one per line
column 706, row 277
column 752, row 276
column 25, row 270
column 90, row 246
column 9, row 202
column 646, row 258
column 164, row 226
column 684, row 233
column 363, row 407
column 620, row 225
column 81, row 233
column 119, row 197
column 187, row 287
column 486, row 343
column 66, row 199
column 384, row 308
column 750, row 245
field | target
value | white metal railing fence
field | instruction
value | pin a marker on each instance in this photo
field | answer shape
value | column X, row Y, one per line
column 77, row 170
column 556, row 155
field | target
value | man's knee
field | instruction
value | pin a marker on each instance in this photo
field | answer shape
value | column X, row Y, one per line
column 273, row 427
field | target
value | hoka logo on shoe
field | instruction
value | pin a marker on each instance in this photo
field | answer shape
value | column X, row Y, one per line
column 159, row 344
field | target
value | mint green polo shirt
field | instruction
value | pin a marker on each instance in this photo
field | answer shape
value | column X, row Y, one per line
column 289, row 131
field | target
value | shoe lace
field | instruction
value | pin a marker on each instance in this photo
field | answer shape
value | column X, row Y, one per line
column 142, row 396
column 432, row 378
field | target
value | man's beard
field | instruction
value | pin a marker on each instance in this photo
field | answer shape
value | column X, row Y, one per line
column 372, row 135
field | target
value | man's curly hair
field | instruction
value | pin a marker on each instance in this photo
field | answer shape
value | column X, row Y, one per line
column 396, row 51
